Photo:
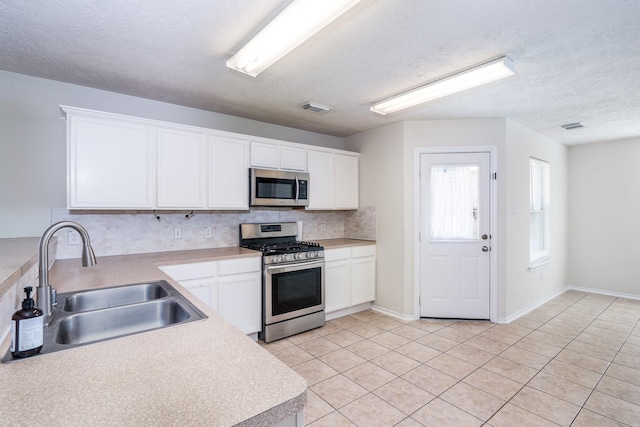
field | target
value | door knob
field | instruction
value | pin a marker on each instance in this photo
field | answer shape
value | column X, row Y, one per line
column 485, row 249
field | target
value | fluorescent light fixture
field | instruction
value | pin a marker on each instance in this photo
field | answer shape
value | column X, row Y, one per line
column 467, row 79
column 294, row 25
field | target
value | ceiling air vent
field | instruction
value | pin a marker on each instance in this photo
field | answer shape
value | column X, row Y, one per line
column 316, row 108
column 570, row 126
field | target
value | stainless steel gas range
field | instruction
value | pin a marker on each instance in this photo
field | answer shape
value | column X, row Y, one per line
column 292, row 279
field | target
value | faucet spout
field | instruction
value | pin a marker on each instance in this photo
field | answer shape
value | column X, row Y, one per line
column 43, row 292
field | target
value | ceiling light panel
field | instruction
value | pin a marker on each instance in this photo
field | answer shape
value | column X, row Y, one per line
column 294, row 25
column 467, row 79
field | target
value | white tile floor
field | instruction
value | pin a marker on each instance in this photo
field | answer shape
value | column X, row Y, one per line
column 573, row 362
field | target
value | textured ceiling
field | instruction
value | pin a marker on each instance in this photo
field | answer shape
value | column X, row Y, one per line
column 576, row 60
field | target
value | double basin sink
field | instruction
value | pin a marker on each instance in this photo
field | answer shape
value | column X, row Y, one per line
column 95, row 315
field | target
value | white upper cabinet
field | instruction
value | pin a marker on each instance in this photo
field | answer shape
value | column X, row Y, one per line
column 293, row 158
column 265, row 155
column 275, row 155
column 346, row 181
column 333, row 180
column 228, row 173
column 320, row 164
column 122, row 162
column 182, row 168
column 110, row 163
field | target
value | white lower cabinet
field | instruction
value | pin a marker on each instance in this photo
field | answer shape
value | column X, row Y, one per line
column 363, row 274
column 232, row 288
column 241, row 301
column 337, row 279
column 349, row 277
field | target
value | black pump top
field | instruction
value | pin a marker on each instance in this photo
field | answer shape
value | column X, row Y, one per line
column 28, row 302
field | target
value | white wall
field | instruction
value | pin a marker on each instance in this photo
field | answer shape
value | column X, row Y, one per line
column 382, row 186
column 524, row 287
column 604, row 205
column 32, row 142
column 450, row 133
column 387, row 182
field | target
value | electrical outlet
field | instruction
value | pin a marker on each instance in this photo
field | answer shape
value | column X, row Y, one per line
column 177, row 233
column 323, row 227
column 74, row 238
column 207, row 232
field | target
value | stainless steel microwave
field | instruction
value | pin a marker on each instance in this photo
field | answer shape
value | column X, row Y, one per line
column 278, row 188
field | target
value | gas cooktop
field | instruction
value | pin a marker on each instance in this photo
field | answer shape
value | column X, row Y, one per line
column 285, row 247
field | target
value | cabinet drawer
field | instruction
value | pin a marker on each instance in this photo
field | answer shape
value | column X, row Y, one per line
column 241, row 265
column 194, row 270
column 362, row 251
column 337, row 254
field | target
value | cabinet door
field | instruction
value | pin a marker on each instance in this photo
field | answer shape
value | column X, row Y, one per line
column 337, row 285
column 363, row 275
column 182, row 169
column 228, row 173
column 265, row 155
column 293, row 158
column 321, row 192
column 111, row 163
column 205, row 289
column 346, row 181
column 241, row 301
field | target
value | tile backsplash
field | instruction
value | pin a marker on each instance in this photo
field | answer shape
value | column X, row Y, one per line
column 127, row 232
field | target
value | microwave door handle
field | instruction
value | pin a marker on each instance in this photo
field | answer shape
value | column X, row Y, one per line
column 297, row 190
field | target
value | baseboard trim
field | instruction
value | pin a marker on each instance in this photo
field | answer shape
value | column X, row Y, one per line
column 347, row 311
column 386, row 312
column 602, row 292
column 532, row 307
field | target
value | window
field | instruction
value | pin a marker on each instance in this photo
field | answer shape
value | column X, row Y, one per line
column 539, row 198
column 455, row 195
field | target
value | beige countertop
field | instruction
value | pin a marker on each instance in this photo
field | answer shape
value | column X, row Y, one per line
column 341, row 243
column 201, row 373
column 16, row 257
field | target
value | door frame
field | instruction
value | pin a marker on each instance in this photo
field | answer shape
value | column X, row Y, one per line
column 493, row 254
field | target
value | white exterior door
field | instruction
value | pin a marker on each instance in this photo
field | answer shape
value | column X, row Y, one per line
column 455, row 235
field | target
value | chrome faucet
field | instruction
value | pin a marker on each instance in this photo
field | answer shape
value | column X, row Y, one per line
column 44, row 290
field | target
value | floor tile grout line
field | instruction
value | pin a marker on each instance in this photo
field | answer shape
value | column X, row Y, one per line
column 458, row 343
column 606, row 369
column 563, row 348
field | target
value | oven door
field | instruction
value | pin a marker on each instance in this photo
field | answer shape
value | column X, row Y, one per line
column 293, row 290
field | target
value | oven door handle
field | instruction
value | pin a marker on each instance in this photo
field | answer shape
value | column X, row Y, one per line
column 284, row 268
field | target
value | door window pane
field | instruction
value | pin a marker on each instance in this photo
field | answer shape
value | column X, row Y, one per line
column 455, row 195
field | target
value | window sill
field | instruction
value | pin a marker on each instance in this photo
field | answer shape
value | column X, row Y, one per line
column 539, row 263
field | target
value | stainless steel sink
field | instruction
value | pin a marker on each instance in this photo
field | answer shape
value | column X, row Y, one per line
column 115, row 322
column 113, row 297
column 96, row 315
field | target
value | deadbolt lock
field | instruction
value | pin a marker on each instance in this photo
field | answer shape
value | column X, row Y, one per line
column 485, row 237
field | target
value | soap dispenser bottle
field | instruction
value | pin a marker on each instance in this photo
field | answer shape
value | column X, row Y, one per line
column 27, row 328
